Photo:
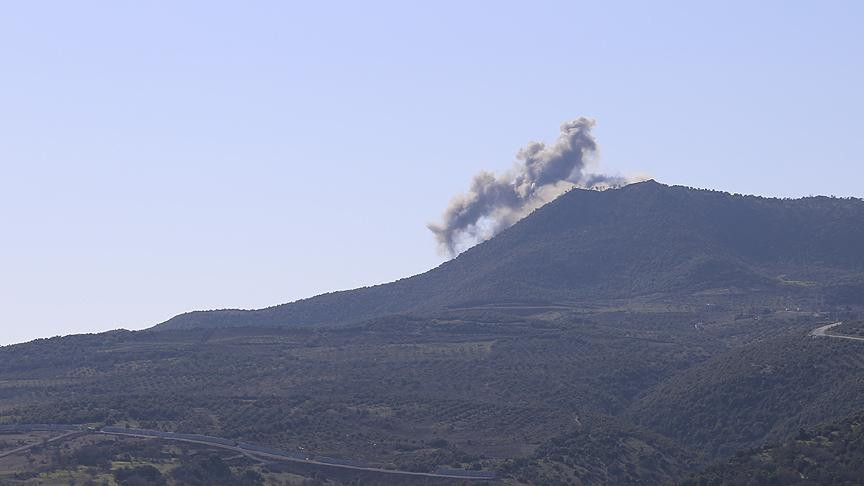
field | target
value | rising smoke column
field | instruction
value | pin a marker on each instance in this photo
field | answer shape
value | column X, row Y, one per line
column 543, row 172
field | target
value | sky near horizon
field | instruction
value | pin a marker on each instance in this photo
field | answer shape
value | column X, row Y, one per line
column 160, row 157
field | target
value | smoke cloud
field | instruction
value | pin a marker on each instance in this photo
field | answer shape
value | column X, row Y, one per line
column 542, row 173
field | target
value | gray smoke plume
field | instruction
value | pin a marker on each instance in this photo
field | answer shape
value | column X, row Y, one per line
column 543, row 172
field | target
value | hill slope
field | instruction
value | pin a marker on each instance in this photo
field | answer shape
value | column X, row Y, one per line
column 759, row 391
column 643, row 239
column 832, row 454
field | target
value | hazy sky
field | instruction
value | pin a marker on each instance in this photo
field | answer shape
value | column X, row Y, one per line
column 159, row 157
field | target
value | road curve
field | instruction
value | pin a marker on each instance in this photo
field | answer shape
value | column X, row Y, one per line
column 303, row 461
column 822, row 331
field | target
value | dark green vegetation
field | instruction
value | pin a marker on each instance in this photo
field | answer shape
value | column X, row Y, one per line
column 633, row 336
column 602, row 452
column 760, row 391
column 89, row 459
column 832, row 454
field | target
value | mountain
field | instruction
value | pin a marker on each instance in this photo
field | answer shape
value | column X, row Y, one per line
column 642, row 240
column 631, row 336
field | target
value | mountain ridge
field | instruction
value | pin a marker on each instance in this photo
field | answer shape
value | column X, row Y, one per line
column 579, row 247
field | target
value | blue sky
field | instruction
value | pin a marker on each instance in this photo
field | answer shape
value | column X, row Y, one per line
column 159, row 157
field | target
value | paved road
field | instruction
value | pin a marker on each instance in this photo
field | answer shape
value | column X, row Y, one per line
column 823, row 332
column 253, row 454
column 28, row 447
column 303, row 461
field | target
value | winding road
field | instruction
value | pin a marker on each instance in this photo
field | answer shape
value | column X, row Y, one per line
column 822, row 331
column 248, row 450
column 278, row 457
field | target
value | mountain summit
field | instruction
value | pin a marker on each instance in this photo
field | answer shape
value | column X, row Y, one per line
column 645, row 240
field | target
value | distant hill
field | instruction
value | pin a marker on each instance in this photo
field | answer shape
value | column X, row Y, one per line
column 645, row 239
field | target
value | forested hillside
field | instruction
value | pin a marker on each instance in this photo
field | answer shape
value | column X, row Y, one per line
column 832, row 454
column 760, row 391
